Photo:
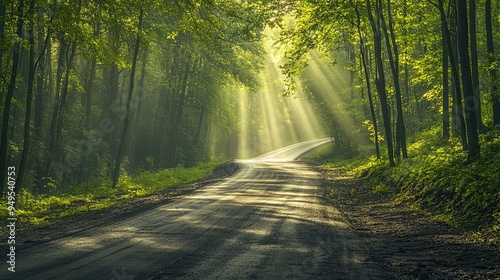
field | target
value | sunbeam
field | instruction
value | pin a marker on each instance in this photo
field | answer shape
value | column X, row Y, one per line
column 268, row 120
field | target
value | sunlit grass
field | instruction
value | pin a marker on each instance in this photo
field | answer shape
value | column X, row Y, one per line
column 42, row 209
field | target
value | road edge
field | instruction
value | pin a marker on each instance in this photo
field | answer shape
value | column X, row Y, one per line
column 31, row 235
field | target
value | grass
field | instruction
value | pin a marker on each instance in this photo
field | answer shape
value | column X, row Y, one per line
column 437, row 179
column 43, row 209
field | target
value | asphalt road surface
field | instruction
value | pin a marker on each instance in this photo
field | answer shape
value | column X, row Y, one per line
column 267, row 221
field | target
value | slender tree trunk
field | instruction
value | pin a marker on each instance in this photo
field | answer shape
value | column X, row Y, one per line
column 121, row 150
column 111, row 93
column 63, row 48
column 457, row 98
column 380, row 81
column 474, row 64
column 362, row 50
column 137, row 118
column 179, row 114
column 39, row 93
column 446, row 98
column 90, row 82
column 29, row 99
column 8, row 99
column 352, row 72
column 470, row 101
column 113, row 98
column 2, row 38
column 200, row 123
column 394, row 64
column 493, row 73
column 455, row 129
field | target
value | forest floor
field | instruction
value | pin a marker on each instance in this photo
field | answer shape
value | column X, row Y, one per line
column 414, row 245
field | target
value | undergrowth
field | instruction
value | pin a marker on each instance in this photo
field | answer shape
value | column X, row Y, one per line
column 42, row 209
column 437, row 179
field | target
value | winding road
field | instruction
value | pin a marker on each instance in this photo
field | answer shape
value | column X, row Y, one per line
column 267, row 221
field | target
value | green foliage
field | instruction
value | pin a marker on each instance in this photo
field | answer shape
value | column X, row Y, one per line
column 91, row 196
column 439, row 180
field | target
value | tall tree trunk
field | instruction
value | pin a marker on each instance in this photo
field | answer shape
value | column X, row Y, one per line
column 179, row 114
column 380, row 81
column 394, row 64
column 113, row 98
column 29, row 99
column 10, row 94
column 362, row 50
column 352, row 71
column 457, row 98
column 90, row 82
column 446, row 98
column 40, row 81
column 470, row 101
column 200, row 123
column 493, row 73
column 474, row 64
column 2, row 37
column 63, row 49
column 121, row 149
column 137, row 118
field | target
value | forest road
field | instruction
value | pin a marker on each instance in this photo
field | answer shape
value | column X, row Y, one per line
column 267, row 221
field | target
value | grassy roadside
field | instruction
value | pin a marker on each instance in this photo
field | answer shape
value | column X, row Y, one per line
column 91, row 196
column 437, row 180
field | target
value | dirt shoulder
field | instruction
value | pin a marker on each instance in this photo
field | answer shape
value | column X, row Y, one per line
column 404, row 242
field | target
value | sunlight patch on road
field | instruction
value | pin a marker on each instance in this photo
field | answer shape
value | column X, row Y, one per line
column 82, row 243
column 255, row 231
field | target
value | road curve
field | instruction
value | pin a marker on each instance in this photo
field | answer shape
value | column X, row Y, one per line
column 268, row 221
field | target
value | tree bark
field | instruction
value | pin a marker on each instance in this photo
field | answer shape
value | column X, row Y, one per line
column 121, row 149
column 2, row 37
column 446, row 98
column 10, row 94
column 470, row 101
column 457, row 98
column 29, row 99
column 362, row 48
column 137, row 118
column 179, row 114
column 380, row 81
column 63, row 48
column 199, row 126
column 474, row 64
column 493, row 73
column 394, row 64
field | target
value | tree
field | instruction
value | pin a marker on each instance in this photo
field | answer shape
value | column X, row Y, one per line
column 394, row 64
column 380, row 80
column 458, row 116
column 446, row 97
column 364, row 58
column 121, row 149
column 10, row 93
column 474, row 64
column 492, row 70
column 469, row 98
